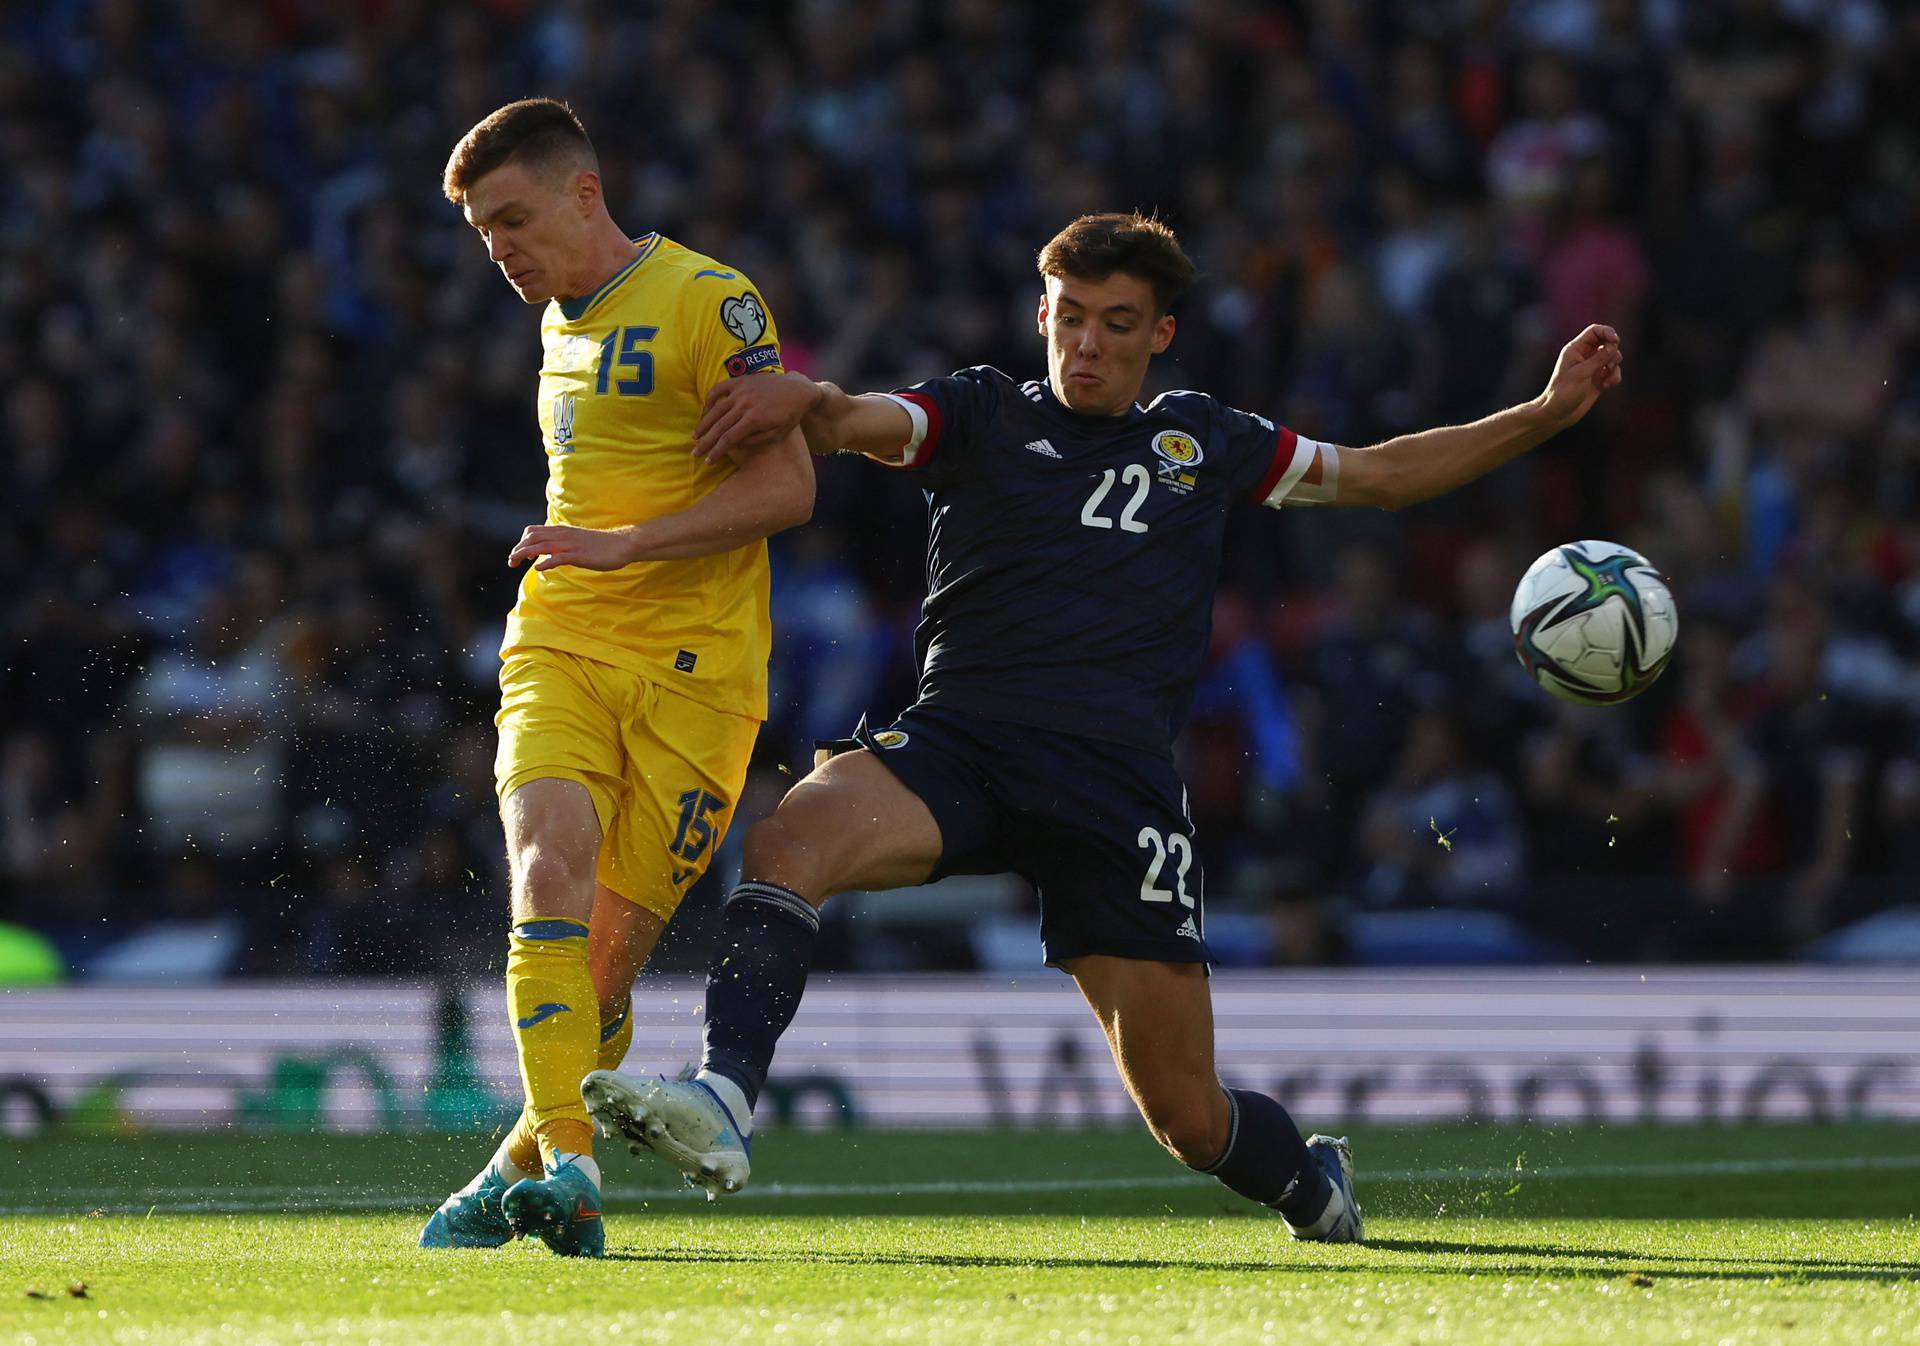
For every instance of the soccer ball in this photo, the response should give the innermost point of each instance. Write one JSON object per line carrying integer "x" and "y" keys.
{"x": 1593, "y": 622}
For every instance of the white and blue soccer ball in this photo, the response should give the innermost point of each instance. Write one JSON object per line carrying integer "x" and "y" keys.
{"x": 1593, "y": 622}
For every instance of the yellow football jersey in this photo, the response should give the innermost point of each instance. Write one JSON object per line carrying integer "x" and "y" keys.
{"x": 623, "y": 380}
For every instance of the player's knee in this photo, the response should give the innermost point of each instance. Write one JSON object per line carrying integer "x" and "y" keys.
{"x": 1185, "y": 1121}
{"x": 776, "y": 852}
{"x": 552, "y": 878}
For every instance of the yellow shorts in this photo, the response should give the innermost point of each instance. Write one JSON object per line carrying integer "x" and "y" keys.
{"x": 664, "y": 771}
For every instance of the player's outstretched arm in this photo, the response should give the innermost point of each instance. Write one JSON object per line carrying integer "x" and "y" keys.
{"x": 744, "y": 414}
{"x": 1411, "y": 468}
{"x": 772, "y": 490}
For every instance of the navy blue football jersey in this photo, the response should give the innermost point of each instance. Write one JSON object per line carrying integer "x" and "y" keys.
{"x": 1071, "y": 559}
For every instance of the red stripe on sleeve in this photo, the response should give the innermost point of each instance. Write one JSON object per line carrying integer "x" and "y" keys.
{"x": 924, "y": 454}
{"x": 1282, "y": 458}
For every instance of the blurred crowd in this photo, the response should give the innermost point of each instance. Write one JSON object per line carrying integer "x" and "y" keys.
{"x": 269, "y": 433}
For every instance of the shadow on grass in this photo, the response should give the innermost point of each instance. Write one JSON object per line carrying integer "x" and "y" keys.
{"x": 1479, "y": 1259}
{"x": 1689, "y": 1265}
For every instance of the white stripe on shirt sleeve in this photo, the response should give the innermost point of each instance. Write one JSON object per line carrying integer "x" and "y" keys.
{"x": 910, "y": 452}
{"x": 1284, "y": 492}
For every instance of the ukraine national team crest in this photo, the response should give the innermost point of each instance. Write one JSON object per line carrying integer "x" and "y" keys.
{"x": 563, "y": 423}
{"x": 1179, "y": 454}
{"x": 889, "y": 738}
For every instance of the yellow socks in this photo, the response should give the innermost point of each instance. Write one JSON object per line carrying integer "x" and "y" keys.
{"x": 555, "y": 1016}
{"x": 523, "y": 1146}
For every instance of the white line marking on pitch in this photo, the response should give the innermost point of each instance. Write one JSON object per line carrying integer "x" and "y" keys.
{"x": 267, "y": 1199}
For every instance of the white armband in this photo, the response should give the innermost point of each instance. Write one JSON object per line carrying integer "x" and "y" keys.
{"x": 917, "y": 414}
{"x": 1292, "y": 489}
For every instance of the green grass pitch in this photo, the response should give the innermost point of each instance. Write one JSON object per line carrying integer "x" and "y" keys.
{"x": 1478, "y": 1234}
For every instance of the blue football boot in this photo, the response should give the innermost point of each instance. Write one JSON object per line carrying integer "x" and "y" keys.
{"x": 562, "y": 1210}
{"x": 1335, "y": 1158}
{"x": 471, "y": 1217}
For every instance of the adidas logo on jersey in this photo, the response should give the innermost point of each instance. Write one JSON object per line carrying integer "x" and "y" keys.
{"x": 1044, "y": 448}
{"x": 1189, "y": 929}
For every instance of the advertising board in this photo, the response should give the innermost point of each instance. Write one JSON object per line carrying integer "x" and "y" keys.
{"x": 1668, "y": 1044}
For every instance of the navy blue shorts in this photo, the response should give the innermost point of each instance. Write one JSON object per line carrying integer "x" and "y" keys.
{"x": 1099, "y": 829}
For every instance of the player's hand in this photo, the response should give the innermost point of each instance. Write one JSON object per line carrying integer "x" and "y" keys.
{"x": 1588, "y": 366}
{"x": 554, "y": 544}
{"x": 754, "y": 411}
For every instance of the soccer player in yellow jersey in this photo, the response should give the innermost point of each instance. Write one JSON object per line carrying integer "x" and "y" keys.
{"x": 633, "y": 674}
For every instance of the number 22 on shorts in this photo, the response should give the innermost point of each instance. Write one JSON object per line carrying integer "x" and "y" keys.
{"x": 1181, "y": 849}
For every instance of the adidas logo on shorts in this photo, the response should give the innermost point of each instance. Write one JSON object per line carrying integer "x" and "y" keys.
{"x": 1043, "y": 447}
{"x": 1189, "y": 929}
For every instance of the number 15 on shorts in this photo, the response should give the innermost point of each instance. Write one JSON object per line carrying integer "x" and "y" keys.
{"x": 696, "y": 831}
{"x": 1173, "y": 845}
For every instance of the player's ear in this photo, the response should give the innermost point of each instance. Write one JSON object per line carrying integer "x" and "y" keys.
{"x": 586, "y": 190}
{"x": 1162, "y": 333}
{"x": 1041, "y": 321}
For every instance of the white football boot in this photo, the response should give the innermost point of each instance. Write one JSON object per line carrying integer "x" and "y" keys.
{"x": 681, "y": 1120}
{"x": 1341, "y": 1221}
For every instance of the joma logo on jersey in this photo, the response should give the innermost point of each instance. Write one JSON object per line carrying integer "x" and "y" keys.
{"x": 563, "y": 423}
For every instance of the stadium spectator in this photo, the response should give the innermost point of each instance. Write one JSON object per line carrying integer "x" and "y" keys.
{"x": 1370, "y": 668}
{"x": 1441, "y": 831}
{"x": 267, "y": 435}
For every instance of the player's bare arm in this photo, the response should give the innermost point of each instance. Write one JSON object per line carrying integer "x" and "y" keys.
{"x": 744, "y": 414}
{"x": 1411, "y": 468}
{"x": 769, "y": 492}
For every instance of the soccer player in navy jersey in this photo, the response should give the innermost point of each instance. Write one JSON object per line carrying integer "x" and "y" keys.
{"x": 1073, "y": 551}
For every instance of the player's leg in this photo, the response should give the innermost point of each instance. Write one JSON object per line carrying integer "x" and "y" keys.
{"x": 557, "y": 771}
{"x": 622, "y": 939}
{"x": 561, "y": 1207}
{"x": 1110, "y": 846}
{"x": 553, "y": 841}
{"x": 1158, "y": 1018}
{"x": 550, "y": 824}
{"x": 619, "y": 942}
{"x": 853, "y": 823}
{"x": 683, "y": 766}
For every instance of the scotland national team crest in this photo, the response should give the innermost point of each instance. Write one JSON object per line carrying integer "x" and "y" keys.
{"x": 889, "y": 738}
{"x": 744, "y": 317}
{"x": 1179, "y": 454}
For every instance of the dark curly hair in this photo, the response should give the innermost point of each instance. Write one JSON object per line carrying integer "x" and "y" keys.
{"x": 1094, "y": 247}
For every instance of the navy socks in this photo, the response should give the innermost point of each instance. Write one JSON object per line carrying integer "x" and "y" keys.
{"x": 1266, "y": 1159}
{"x": 759, "y": 972}
{"x": 755, "y": 980}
